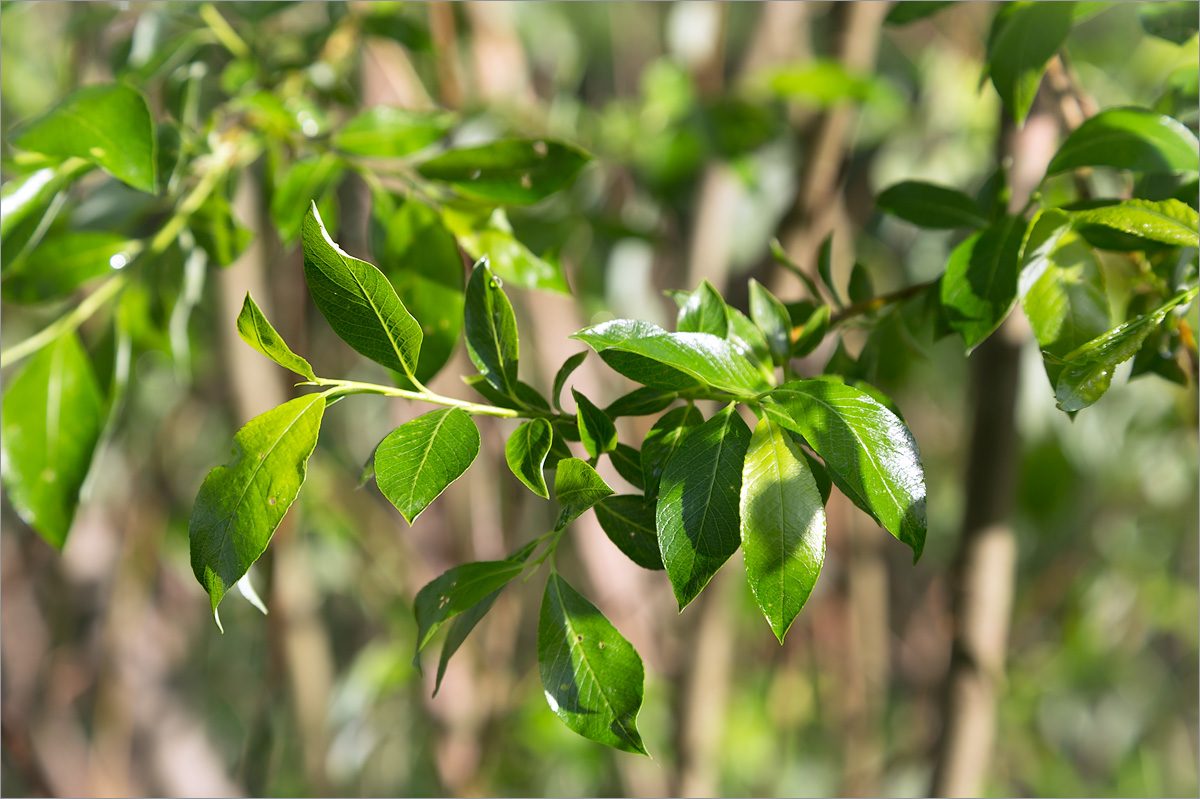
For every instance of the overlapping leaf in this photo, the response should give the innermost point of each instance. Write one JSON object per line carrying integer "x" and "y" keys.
{"x": 980, "y": 284}
{"x": 457, "y": 590}
{"x": 577, "y": 487}
{"x": 596, "y": 430}
{"x": 661, "y": 442}
{"x": 931, "y": 206}
{"x": 526, "y": 453}
{"x": 629, "y": 523}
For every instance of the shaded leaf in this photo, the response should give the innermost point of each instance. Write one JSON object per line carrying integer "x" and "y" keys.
{"x": 629, "y": 524}
{"x": 526, "y": 453}
{"x": 930, "y": 206}
{"x": 812, "y": 333}
{"x": 640, "y": 402}
{"x": 388, "y": 132}
{"x": 1129, "y": 138}
{"x": 256, "y": 331}
{"x": 419, "y": 459}
{"x": 980, "y": 283}
{"x": 913, "y": 10}
{"x": 560, "y": 377}
{"x": 577, "y": 488}
{"x": 491, "y": 330}
{"x": 64, "y": 262}
{"x": 1174, "y": 21}
{"x": 305, "y": 184}
{"x": 661, "y": 442}
{"x": 457, "y": 590}
{"x": 511, "y": 171}
{"x": 1024, "y": 36}
{"x": 628, "y": 463}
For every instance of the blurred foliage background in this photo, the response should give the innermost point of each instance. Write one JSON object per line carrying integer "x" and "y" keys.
{"x": 704, "y": 119}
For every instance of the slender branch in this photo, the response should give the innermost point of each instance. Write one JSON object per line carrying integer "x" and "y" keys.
{"x": 224, "y": 32}
{"x": 875, "y": 303}
{"x": 343, "y": 388}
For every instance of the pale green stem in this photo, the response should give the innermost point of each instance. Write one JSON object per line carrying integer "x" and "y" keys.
{"x": 222, "y": 30}
{"x": 346, "y": 387}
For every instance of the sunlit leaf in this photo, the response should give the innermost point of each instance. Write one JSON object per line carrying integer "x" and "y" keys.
{"x": 1129, "y": 138}
{"x": 256, "y": 331}
{"x": 419, "y": 459}
{"x": 577, "y": 487}
{"x": 511, "y": 171}
{"x": 980, "y": 284}
{"x": 388, "y": 132}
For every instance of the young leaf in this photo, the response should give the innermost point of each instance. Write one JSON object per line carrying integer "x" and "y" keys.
{"x": 640, "y": 402}
{"x": 577, "y": 488}
{"x": 51, "y": 420}
{"x": 491, "y": 330}
{"x": 457, "y": 590}
{"x": 783, "y": 525}
{"x": 628, "y": 463}
{"x": 358, "y": 301}
{"x": 418, "y": 459}
{"x": 526, "y": 453}
{"x": 306, "y": 182}
{"x": 771, "y": 317}
{"x": 564, "y": 371}
{"x": 241, "y": 503}
{"x": 509, "y": 172}
{"x": 388, "y": 132}
{"x": 1170, "y": 221}
{"x": 930, "y": 206}
{"x": 703, "y": 312}
{"x": 593, "y": 677}
{"x": 661, "y": 442}
{"x": 748, "y": 340}
{"x": 980, "y": 283}
{"x": 1024, "y": 36}
{"x": 256, "y": 331}
{"x": 860, "y": 288}
{"x": 867, "y": 450}
{"x": 107, "y": 124}
{"x": 596, "y": 430}
{"x": 697, "y": 513}
{"x": 1129, "y": 138}
{"x": 825, "y": 269}
{"x": 629, "y": 523}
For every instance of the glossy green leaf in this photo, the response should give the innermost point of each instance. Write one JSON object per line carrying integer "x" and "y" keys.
{"x": 661, "y": 442}
{"x": 629, "y": 523}
{"x": 813, "y": 332}
{"x": 1129, "y": 138}
{"x": 703, "y": 312}
{"x": 64, "y": 262}
{"x": 388, "y": 132}
{"x": 456, "y": 590}
{"x": 596, "y": 430}
{"x": 592, "y": 676}
{"x": 358, "y": 301}
{"x": 511, "y": 260}
{"x": 491, "y": 330}
{"x": 869, "y": 453}
{"x": 1174, "y": 21}
{"x": 628, "y": 463}
{"x": 577, "y": 487}
{"x": 256, "y": 331}
{"x": 526, "y": 453}
{"x": 1170, "y": 221}
{"x": 930, "y": 206}
{"x": 748, "y": 340}
{"x": 640, "y": 402}
{"x": 241, "y": 503}
{"x": 782, "y": 525}
{"x": 107, "y": 124}
{"x": 419, "y": 459}
{"x": 564, "y": 372}
{"x": 1024, "y": 36}
{"x": 980, "y": 284}
{"x": 1087, "y": 371}
{"x": 51, "y": 420}
{"x": 304, "y": 185}
{"x": 772, "y": 318}
{"x": 511, "y": 171}
{"x": 697, "y": 512}
{"x": 913, "y": 10}
{"x": 860, "y": 287}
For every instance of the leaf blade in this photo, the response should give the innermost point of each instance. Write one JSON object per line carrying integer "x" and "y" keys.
{"x": 256, "y": 331}
{"x": 417, "y": 461}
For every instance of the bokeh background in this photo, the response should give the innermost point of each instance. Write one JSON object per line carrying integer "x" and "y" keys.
{"x": 707, "y": 121}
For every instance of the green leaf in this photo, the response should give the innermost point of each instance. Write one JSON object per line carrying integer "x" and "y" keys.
{"x": 980, "y": 284}
{"x": 1174, "y": 21}
{"x": 511, "y": 171}
{"x": 782, "y": 525}
{"x": 825, "y": 269}
{"x": 241, "y": 503}
{"x": 527, "y": 397}
{"x": 640, "y": 402}
{"x": 256, "y": 331}
{"x": 813, "y": 332}
{"x": 628, "y": 463}
{"x": 418, "y": 459}
{"x": 1129, "y": 138}
{"x": 592, "y": 676}
{"x": 64, "y": 262}
{"x": 304, "y": 185}
{"x": 913, "y": 10}
{"x": 560, "y": 377}
{"x": 596, "y": 430}
{"x": 697, "y": 513}
{"x": 701, "y": 357}
{"x": 1087, "y": 371}
{"x": 107, "y": 124}
{"x": 456, "y": 590}
{"x": 526, "y": 453}
{"x": 930, "y": 206}
{"x": 1170, "y": 221}
{"x": 703, "y": 312}
{"x": 509, "y": 258}
{"x": 748, "y": 340}
{"x": 629, "y": 523}
{"x": 29, "y": 205}
{"x": 869, "y": 453}
{"x": 860, "y": 287}
{"x": 1024, "y": 36}
{"x": 358, "y": 301}
{"x": 661, "y": 442}
{"x": 388, "y": 132}
{"x": 577, "y": 488}
{"x": 218, "y": 232}
{"x": 51, "y": 420}
{"x": 771, "y": 317}
{"x": 491, "y": 330}
{"x": 822, "y": 83}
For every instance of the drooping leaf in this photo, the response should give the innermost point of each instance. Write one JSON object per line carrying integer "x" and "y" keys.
{"x": 1024, "y": 36}
{"x": 661, "y": 442}
{"x": 241, "y": 503}
{"x": 306, "y": 183}
{"x": 825, "y": 269}
{"x": 511, "y": 171}
{"x": 419, "y": 459}
{"x": 64, "y": 262}
{"x": 913, "y": 10}
{"x": 703, "y": 312}
{"x": 596, "y": 430}
{"x": 697, "y": 512}
{"x": 628, "y": 463}
{"x": 640, "y": 402}
{"x": 980, "y": 284}
{"x": 52, "y": 416}
{"x": 772, "y": 318}
{"x": 1174, "y": 21}
{"x": 1129, "y": 138}
{"x": 930, "y": 206}
{"x": 869, "y": 453}
{"x": 493, "y": 238}
{"x": 577, "y": 487}
{"x": 491, "y": 330}
{"x": 748, "y": 340}
{"x": 564, "y": 372}
{"x": 107, "y": 124}
{"x": 456, "y": 590}
{"x": 592, "y": 676}
{"x": 526, "y": 453}
{"x": 629, "y": 523}
{"x": 256, "y": 331}
{"x": 388, "y": 132}
{"x": 782, "y": 525}
{"x": 1169, "y": 221}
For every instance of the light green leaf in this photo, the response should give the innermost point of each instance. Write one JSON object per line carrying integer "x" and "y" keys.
{"x": 418, "y": 459}
{"x": 491, "y": 330}
{"x": 629, "y": 523}
{"x": 869, "y": 453}
{"x": 783, "y": 525}
{"x": 388, "y": 132}
{"x": 930, "y": 206}
{"x": 661, "y": 442}
{"x": 511, "y": 171}
{"x": 564, "y": 372}
{"x": 256, "y": 331}
{"x": 771, "y": 317}
{"x": 64, "y": 262}
{"x": 358, "y": 301}
{"x": 107, "y": 124}
{"x": 511, "y": 260}
{"x": 457, "y": 590}
{"x": 821, "y": 83}
{"x": 1169, "y": 221}
{"x": 1129, "y": 138}
{"x": 592, "y": 676}
{"x": 825, "y": 269}
{"x": 526, "y": 453}
{"x": 1024, "y": 36}
{"x": 640, "y": 402}
{"x": 306, "y": 183}
{"x": 980, "y": 284}
{"x": 29, "y": 204}
{"x": 51, "y": 420}
{"x": 628, "y": 463}
{"x": 577, "y": 488}
{"x": 697, "y": 513}
{"x": 703, "y": 312}
{"x": 748, "y": 340}
{"x": 241, "y": 503}
{"x": 596, "y": 430}
{"x": 813, "y": 332}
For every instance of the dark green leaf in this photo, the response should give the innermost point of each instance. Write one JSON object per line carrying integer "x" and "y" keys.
{"x": 1024, "y": 36}
{"x": 241, "y": 503}
{"x": 1174, "y": 21}
{"x": 782, "y": 525}
{"x": 629, "y": 523}
{"x": 592, "y": 676}
{"x": 640, "y": 402}
{"x": 628, "y": 463}
{"x": 512, "y": 171}
{"x": 107, "y": 124}
{"x": 980, "y": 284}
{"x": 1170, "y": 221}
{"x": 526, "y": 453}
{"x": 661, "y": 442}
{"x": 64, "y": 262}
{"x": 491, "y": 330}
{"x": 304, "y": 185}
{"x": 697, "y": 513}
{"x": 772, "y": 318}
{"x": 596, "y": 430}
{"x": 52, "y": 416}
{"x": 560, "y": 377}
{"x": 860, "y": 288}
{"x": 388, "y": 21}
{"x": 929, "y": 206}
{"x": 256, "y": 331}
{"x": 419, "y": 459}
{"x": 703, "y": 312}
{"x": 388, "y": 132}
{"x": 812, "y": 333}
{"x": 825, "y": 269}
{"x": 748, "y": 340}
{"x": 457, "y": 590}
{"x": 913, "y": 10}
{"x": 577, "y": 488}
{"x": 1129, "y": 138}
